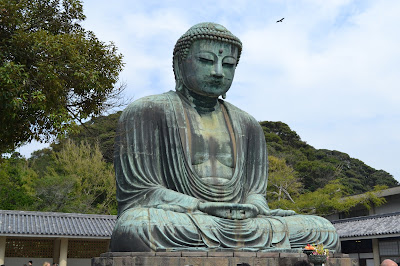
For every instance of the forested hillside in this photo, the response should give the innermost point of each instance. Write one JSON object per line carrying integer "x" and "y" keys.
{"x": 76, "y": 174}
{"x": 317, "y": 167}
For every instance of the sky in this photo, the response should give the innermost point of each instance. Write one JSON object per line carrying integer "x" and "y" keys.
{"x": 330, "y": 70}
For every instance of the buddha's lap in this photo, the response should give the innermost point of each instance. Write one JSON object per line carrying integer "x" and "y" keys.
{"x": 303, "y": 228}
{"x": 153, "y": 217}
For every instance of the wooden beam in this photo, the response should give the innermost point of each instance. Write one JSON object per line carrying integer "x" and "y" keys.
{"x": 63, "y": 252}
{"x": 2, "y": 249}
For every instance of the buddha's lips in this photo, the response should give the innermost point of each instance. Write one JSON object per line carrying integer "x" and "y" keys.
{"x": 215, "y": 81}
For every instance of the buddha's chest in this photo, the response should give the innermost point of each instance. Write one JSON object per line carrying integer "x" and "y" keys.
{"x": 210, "y": 140}
{"x": 211, "y": 147}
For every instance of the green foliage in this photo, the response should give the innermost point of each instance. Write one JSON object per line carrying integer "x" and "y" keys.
{"x": 322, "y": 179}
{"x": 372, "y": 198}
{"x": 282, "y": 180}
{"x": 53, "y": 73}
{"x": 74, "y": 179}
{"x": 79, "y": 180}
{"x": 316, "y": 168}
{"x": 328, "y": 200}
{"x": 315, "y": 174}
{"x": 40, "y": 160}
{"x": 15, "y": 180}
{"x": 99, "y": 130}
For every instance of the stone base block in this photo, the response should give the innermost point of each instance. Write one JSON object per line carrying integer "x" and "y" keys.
{"x": 211, "y": 259}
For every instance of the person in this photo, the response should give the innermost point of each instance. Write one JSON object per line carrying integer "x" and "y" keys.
{"x": 191, "y": 168}
{"x": 30, "y": 263}
{"x": 46, "y": 263}
{"x": 388, "y": 262}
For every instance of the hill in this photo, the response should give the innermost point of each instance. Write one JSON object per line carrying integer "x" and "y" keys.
{"x": 317, "y": 167}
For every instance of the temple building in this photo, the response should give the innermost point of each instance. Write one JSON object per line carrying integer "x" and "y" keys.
{"x": 371, "y": 235}
{"x": 54, "y": 237}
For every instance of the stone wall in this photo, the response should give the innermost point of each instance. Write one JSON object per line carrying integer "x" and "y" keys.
{"x": 211, "y": 259}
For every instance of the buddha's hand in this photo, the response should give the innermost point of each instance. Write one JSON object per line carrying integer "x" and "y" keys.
{"x": 234, "y": 211}
{"x": 279, "y": 212}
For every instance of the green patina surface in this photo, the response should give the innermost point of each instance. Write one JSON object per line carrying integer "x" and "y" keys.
{"x": 191, "y": 169}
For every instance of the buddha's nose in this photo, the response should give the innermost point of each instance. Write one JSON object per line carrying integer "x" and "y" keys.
{"x": 217, "y": 71}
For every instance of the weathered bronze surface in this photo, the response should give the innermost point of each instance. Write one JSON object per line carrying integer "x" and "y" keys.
{"x": 191, "y": 169}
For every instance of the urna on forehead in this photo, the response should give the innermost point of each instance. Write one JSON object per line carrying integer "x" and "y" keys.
{"x": 205, "y": 31}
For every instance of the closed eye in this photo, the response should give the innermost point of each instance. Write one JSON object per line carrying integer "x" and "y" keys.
{"x": 206, "y": 60}
{"x": 230, "y": 65}
{"x": 229, "y": 62}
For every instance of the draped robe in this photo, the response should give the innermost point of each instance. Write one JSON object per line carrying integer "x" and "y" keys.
{"x": 158, "y": 191}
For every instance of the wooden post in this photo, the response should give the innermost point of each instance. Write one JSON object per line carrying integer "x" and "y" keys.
{"x": 56, "y": 250}
{"x": 63, "y": 252}
{"x": 2, "y": 249}
{"x": 375, "y": 250}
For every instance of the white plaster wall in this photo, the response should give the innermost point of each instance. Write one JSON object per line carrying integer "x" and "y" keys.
{"x": 392, "y": 205}
{"x": 22, "y": 261}
{"x": 332, "y": 217}
{"x": 78, "y": 262}
{"x": 40, "y": 261}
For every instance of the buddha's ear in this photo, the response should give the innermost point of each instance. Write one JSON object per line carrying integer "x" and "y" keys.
{"x": 178, "y": 72}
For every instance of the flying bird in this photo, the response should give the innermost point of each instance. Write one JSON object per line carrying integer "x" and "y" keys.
{"x": 281, "y": 20}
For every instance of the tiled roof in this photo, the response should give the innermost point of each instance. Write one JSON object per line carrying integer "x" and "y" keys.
{"x": 53, "y": 224}
{"x": 369, "y": 226}
{"x": 76, "y": 225}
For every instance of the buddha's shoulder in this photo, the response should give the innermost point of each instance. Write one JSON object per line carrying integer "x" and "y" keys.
{"x": 151, "y": 103}
{"x": 151, "y": 100}
{"x": 240, "y": 114}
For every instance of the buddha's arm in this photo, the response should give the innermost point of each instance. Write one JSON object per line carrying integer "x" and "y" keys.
{"x": 158, "y": 197}
{"x": 171, "y": 200}
{"x": 146, "y": 162}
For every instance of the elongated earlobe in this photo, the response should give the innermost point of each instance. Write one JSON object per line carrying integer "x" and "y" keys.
{"x": 178, "y": 76}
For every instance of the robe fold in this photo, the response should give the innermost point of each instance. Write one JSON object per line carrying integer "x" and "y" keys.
{"x": 158, "y": 191}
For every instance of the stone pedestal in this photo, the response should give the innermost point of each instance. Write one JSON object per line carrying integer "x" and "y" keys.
{"x": 211, "y": 259}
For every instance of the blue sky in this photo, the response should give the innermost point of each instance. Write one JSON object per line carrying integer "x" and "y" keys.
{"x": 331, "y": 70}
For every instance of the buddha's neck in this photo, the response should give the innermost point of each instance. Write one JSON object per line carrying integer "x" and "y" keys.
{"x": 201, "y": 103}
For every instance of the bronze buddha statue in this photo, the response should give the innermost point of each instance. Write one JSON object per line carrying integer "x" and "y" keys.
{"x": 191, "y": 168}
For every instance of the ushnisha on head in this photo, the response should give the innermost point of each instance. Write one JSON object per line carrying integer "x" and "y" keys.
{"x": 218, "y": 48}
{"x": 205, "y": 31}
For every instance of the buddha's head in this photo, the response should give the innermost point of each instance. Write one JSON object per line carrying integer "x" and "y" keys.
{"x": 205, "y": 59}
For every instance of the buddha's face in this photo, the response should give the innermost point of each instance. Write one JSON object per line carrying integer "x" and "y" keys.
{"x": 209, "y": 68}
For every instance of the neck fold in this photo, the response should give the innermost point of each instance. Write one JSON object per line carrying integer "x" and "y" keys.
{"x": 201, "y": 103}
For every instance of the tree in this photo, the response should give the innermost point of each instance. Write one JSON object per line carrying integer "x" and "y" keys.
{"x": 331, "y": 198}
{"x": 315, "y": 174}
{"x": 282, "y": 180}
{"x": 99, "y": 130}
{"x": 15, "y": 183}
{"x": 53, "y": 73}
{"x": 40, "y": 160}
{"x": 79, "y": 180}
